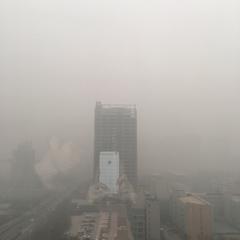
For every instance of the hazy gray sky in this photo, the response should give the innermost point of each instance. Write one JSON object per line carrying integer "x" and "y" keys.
{"x": 178, "y": 60}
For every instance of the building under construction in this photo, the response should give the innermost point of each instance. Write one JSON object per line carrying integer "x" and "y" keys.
{"x": 116, "y": 131}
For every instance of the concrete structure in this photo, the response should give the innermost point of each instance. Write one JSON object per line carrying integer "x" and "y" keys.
{"x": 224, "y": 231}
{"x": 177, "y": 192}
{"x": 144, "y": 216}
{"x": 109, "y": 170}
{"x": 126, "y": 190}
{"x": 116, "y": 131}
{"x": 194, "y": 218}
{"x": 226, "y": 215}
{"x": 216, "y": 200}
{"x": 152, "y": 219}
{"x": 137, "y": 217}
{"x": 25, "y": 183}
{"x": 160, "y": 187}
{"x": 232, "y": 210}
{"x": 157, "y": 185}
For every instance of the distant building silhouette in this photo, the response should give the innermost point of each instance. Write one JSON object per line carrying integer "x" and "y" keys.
{"x": 23, "y": 175}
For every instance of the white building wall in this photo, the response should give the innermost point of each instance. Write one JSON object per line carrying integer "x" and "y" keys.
{"x": 109, "y": 170}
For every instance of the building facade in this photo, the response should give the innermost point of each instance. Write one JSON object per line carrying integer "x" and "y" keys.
{"x": 137, "y": 217}
{"x": 153, "y": 222}
{"x": 232, "y": 210}
{"x": 116, "y": 131}
{"x": 109, "y": 170}
{"x": 194, "y": 218}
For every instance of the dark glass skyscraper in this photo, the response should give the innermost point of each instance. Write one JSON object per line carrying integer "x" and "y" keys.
{"x": 116, "y": 130}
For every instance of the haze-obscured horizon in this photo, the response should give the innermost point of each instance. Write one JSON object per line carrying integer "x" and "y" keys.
{"x": 178, "y": 61}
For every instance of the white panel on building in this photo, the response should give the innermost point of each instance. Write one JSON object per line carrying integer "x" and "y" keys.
{"x": 109, "y": 170}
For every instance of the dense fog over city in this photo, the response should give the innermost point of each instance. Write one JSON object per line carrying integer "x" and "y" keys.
{"x": 119, "y": 120}
{"x": 178, "y": 61}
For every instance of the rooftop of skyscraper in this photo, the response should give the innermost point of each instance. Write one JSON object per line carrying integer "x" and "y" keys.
{"x": 130, "y": 106}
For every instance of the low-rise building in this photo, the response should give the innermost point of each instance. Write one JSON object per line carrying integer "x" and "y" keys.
{"x": 194, "y": 218}
{"x": 137, "y": 217}
{"x": 232, "y": 210}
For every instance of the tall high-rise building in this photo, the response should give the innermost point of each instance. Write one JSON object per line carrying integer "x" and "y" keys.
{"x": 116, "y": 131}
